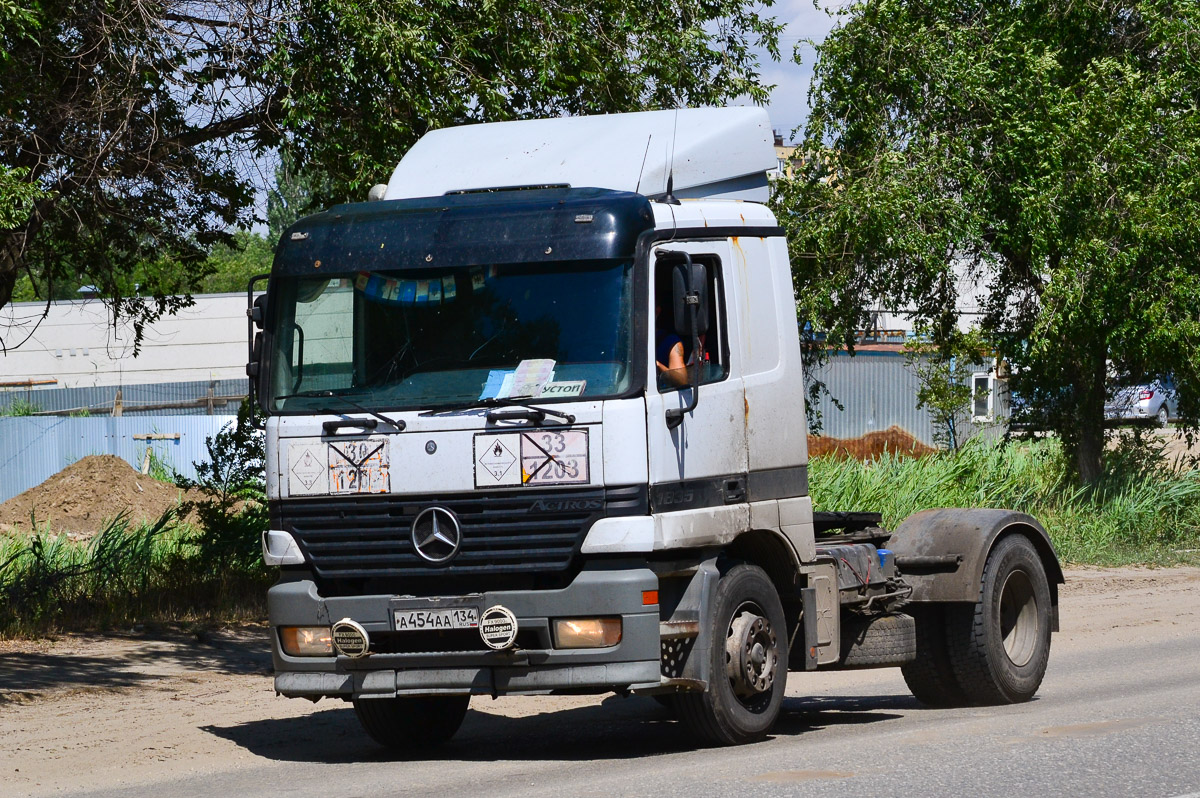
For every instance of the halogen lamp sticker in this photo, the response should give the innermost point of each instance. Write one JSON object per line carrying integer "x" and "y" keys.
{"x": 339, "y": 467}
{"x": 350, "y": 638}
{"x": 544, "y": 457}
{"x": 498, "y": 627}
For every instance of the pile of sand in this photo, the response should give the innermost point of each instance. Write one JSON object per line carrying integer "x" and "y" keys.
{"x": 81, "y": 497}
{"x": 893, "y": 440}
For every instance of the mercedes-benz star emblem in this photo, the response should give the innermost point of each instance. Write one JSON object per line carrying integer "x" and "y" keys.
{"x": 436, "y": 535}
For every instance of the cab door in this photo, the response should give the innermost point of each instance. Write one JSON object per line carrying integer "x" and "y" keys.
{"x": 698, "y": 468}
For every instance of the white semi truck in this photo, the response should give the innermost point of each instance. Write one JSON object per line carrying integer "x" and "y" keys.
{"x": 535, "y": 424}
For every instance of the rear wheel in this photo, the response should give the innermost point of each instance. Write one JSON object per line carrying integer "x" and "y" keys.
{"x": 999, "y": 647}
{"x": 420, "y": 722}
{"x": 748, "y": 665}
{"x": 1163, "y": 417}
{"x": 930, "y": 676}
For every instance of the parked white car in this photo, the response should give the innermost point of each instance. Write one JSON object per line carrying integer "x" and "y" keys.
{"x": 1153, "y": 401}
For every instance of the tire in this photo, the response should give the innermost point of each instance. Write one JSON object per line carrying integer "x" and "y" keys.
{"x": 1000, "y": 646}
{"x": 407, "y": 723}
{"x": 877, "y": 642}
{"x": 1163, "y": 418}
{"x": 930, "y": 675}
{"x": 748, "y": 663}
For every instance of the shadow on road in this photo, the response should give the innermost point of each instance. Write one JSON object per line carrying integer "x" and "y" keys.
{"x": 618, "y": 728}
{"x": 133, "y": 659}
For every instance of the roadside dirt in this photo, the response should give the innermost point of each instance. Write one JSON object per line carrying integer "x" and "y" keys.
{"x": 870, "y": 446}
{"x": 1176, "y": 450}
{"x": 79, "y": 499}
{"x": 100, "y": 713}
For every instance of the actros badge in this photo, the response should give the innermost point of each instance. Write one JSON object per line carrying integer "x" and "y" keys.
{"x": 498, "y": 627}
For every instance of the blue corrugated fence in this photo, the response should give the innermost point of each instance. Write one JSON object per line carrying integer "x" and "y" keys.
{"x": 34, "y": 448}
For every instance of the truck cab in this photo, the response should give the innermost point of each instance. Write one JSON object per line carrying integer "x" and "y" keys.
{"x": 535, "y": 424}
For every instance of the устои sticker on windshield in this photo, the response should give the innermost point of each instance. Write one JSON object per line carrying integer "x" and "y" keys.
{"x": 339, "y": 467}
{"x": 544, "y": 457}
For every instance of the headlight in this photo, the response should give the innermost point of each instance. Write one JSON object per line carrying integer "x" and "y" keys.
{"x": 587, "y": 633}
{"x": 306, "y": 641}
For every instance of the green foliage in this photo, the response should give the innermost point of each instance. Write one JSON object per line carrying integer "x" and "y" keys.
{"x": 294, "y": 194}
{"x": 1049, "y": 151}
{"x": 944, "y": 371}
{"x": 19, "y": 407}
{"x": 17, "y": 195}
{"x": 233, "y": 513}
{"x": 125, "y": 574}
{"x": 368, "y": 79}
{"x": 234, "y": 264}
{"x": 1136, "y": 511}
{"x": 129, "y": 130}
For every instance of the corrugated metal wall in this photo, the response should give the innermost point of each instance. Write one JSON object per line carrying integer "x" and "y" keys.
{"x": 876, "y": 391}
{"x": 34, "y": 448}
{"x": 99, "y": 400}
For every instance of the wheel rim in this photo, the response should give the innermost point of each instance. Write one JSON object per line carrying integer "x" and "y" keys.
{"x": 1162, "y": 417}
{"x": 751, "y": 654}
{"x": 1018, "y": 618}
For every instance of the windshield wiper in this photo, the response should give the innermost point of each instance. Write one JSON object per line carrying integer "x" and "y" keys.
{"x": 398, "y": 424}
{"x": 528, "y": 412}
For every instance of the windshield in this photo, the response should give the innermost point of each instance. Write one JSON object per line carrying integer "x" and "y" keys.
{"x": 432, "y": 337}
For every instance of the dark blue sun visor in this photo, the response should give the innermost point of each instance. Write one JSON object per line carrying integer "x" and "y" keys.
{"x": 475, "y": 229}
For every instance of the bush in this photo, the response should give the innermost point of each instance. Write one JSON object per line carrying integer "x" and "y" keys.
{"x": 233, "y": 513}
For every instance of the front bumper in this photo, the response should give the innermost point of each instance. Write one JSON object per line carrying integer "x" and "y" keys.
{"x": 537, "y": 667}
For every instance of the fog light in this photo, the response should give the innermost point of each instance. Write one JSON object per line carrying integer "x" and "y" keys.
{"x": 587, "y": 633}
{"x": 306, "y": 641}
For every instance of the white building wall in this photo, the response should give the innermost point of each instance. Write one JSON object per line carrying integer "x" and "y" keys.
{"x": 77, "y": 346}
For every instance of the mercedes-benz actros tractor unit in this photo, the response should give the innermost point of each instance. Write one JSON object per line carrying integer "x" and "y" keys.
{"x": 535, "y": 425}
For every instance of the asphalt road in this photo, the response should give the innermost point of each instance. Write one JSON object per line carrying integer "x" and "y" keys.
{"x": 1118, "y": 715}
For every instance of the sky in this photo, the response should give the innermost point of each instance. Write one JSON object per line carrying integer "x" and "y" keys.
{"x": 788, "y": 106}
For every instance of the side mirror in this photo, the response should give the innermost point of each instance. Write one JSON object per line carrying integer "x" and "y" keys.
{"x": 689, "y": 295}
{"x": 689, "y": 286}
{"x": 256, "y": 315}
{"x": 258, "y": 310}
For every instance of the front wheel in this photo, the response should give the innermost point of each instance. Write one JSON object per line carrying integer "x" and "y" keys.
{"x": 748, "y": 662}
{"x": 419, "y": 722}
{"x": 999, "y": 647}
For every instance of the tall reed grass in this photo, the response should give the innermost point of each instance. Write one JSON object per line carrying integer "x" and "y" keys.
{"x": 126, "y": 574}
{"x": 1139, "y": 511}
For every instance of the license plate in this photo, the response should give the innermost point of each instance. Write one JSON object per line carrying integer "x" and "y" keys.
{"x": 432, "y": 620}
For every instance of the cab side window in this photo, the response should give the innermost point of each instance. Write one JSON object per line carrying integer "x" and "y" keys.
{"x": 674, "y": 353}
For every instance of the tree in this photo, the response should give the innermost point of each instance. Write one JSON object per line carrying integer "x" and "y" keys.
{"x": 293, "y": 195}
{"x": 135, "y": 122}
{"x": 1048, "y": 148}
{"x": 234, "y": 264}
{"x": 128, "y": 118}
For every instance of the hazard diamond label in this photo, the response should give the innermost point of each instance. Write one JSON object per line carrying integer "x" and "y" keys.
{"x": 496, "y": 460}
{"x": 309, "y": 473}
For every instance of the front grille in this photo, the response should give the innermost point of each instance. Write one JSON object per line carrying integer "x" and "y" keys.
{"x": 509, "y": 539}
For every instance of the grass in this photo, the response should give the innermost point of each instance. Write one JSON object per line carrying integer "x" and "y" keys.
{"x": 126, "y": 574}
{"x": 1139, "y": 512}
{"x": 19, "y": 407}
